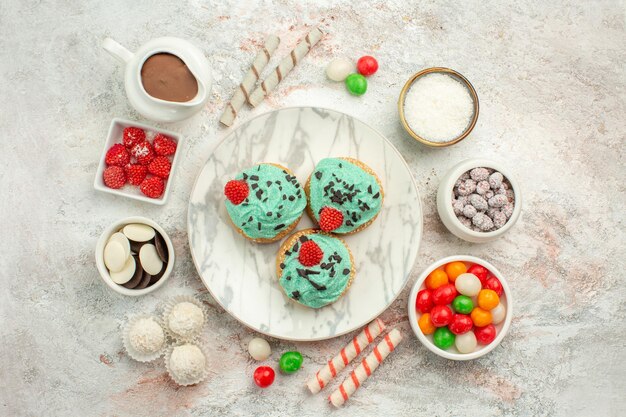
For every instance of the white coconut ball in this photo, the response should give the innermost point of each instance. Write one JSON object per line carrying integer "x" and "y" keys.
{"x": 185, "y": 319}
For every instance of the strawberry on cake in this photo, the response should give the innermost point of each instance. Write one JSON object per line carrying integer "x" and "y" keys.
{"x": 314, "y": 268}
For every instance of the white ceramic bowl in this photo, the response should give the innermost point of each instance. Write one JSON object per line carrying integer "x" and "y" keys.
{"x": 132, "y": 191}
{"x": 452, "y": 353}
{"x": 459, "y": 77}
{"x": 444, "y": 201}
{"x": 104, "y": 272}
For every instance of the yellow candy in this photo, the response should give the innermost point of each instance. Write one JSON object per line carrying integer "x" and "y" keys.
{"x": 426, "y": 326}
{"x": 454, "y": 269}
{"x": 488, "y": 299}
{"x": 480, "y": 317}
{"x": 436, "y": 279}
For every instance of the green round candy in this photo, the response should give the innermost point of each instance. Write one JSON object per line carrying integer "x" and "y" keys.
{"x": 356, "y": 84}
{"x": 443, "y": 338}
{"x": 463, "y": 304}
{"x": 290, "y": 362}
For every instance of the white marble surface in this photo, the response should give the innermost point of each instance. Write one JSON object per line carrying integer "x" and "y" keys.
{"x": 241, "y": 275}
{"x": 550, "y": 77}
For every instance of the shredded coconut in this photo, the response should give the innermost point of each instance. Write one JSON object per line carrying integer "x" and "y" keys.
{"x": 187, "y": 362}
{"x": 438, "y": 107}
{"x": 146, "y": 336}
{"x": 185, "y": 319}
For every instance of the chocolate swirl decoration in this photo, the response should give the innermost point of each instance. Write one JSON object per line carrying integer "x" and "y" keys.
{"x": 351, "y": 188}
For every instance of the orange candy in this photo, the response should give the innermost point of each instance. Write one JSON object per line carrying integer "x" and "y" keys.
{"x": 426, "y": 326}
{"x": 488, "y": 299}
{"x": 454, "y": 269}
{"x": 480, "y": 317}
{"x": 436, "y": 279}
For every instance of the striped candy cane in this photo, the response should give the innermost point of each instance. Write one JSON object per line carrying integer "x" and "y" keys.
{"x": 347, "y": 354}
{"x": 365, "y": 368}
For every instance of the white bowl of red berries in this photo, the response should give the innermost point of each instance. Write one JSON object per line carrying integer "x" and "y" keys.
{"x": 138, "y": 161}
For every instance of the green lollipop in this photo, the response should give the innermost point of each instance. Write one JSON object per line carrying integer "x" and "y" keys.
{"x": 290, "y": 362}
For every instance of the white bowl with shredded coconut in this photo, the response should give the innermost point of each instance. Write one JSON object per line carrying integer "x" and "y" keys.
{"x": 438, "y": 107}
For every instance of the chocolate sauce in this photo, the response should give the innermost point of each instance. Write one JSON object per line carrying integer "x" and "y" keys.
{"x": 166, "y": 77}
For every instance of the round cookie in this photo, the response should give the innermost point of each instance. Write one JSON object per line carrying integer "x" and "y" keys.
{"x": 265, "y": 202}
{"x": 314, "y": 268}
{"x": 344, "y": 195}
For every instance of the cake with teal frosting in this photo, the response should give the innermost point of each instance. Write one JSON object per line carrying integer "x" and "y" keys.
{"x": 314, "y": 268}
{"x": 265, "y": 202}
{"x": 344, "y": 195}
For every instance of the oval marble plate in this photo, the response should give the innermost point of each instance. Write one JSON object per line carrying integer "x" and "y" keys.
{"x": 241, "y": 275}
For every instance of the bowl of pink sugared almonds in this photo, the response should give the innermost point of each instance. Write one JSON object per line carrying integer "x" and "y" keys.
{"x": 479, "y": 200}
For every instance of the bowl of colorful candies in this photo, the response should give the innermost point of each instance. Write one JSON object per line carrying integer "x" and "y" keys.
{"x": 460, "y": 307}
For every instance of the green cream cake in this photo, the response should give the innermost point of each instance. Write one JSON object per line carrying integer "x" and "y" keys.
{"x": 344, "y": 195}
{"x": 314, "y": 268}
{"x": 265, "y": 202}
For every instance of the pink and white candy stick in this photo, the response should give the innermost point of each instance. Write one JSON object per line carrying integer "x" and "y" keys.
{"x": 347, "y": 354}
{"x": 366, "y": 368}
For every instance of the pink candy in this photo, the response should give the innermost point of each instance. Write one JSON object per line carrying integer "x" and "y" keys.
{"x": 482, "y": 199}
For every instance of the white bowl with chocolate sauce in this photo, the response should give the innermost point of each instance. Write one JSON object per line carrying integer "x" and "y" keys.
{"x": 167, "y": 79}
{"x": 145, "y": 278}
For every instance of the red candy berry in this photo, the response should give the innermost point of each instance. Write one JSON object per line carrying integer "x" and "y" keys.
{"x": 444, "y": 294}
{"x": 485, "y": 335}
{"x": 236, "y": 191}
{"x": 424, "y": 301}
{"x": 114, "y": 177}
{"x": 367, "y": 65}
{"x": 135, "y": 173}
{"x": 133, "y": 136}
{"x": 160, "y": 166}
{"x": 117, "y": 155}
{"x": 310, "y": 253}
{"x": 330, "y": 219}
{"x": 264, "y": 376}
{"x": 152, "y": 187}
{"x": 493, "y": 283}
{"x": 441, "y": 316}
{"x": 480, "y": 271}
{"x": 460, "y": 324}
{"x": 143, "y": 152}
{"x": 163, "y": 145}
